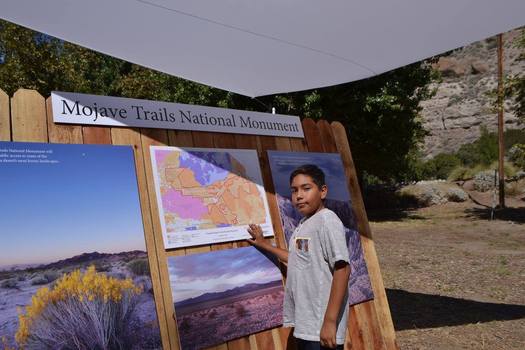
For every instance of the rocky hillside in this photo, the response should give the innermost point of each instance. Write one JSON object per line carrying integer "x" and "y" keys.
{"x": 461, "y": 105}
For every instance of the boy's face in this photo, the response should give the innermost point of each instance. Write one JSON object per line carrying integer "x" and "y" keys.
{"x": 307, "y": 197}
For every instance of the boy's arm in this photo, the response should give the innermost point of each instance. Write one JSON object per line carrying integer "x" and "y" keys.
{"x": 335, "y": 302}
{"x": 258, "y": 240}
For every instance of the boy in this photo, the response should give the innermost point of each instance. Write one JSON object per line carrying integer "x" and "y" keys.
{"x": 316, "y": 300}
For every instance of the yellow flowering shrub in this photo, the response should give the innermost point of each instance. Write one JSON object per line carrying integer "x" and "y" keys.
{"x": 85, "y": 286}
{"x": 5, "y": 345}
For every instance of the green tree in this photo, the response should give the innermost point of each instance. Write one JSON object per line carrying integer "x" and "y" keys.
{"x": 381, "y": 114}
{"x": 483, "y": 151}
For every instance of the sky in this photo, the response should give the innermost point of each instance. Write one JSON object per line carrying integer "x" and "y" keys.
{"x": 218, "y": 271}
{"x": 283, "y": 163}
{"x": 86, "y": 202}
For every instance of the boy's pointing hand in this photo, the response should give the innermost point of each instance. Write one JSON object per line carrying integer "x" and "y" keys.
{"x": 257, "y": 235}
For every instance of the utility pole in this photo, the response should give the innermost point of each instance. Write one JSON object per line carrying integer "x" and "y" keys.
{"x": 501, "y": 145}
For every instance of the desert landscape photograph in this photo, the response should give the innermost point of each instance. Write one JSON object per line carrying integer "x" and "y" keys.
{"x": 223, "y": 295}
{"x": 74, "y": 272}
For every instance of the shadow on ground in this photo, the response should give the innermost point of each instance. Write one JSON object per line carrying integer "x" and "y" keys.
{"x": 395, "y": 214}
{"x": 507, "y": 214}
{"x": 417, "y": 310}
{"x": 387, "y": 215}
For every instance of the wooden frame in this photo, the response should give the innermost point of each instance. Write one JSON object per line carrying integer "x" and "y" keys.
{"x": 26, "y": 117}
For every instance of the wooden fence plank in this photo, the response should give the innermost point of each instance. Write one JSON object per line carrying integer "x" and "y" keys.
{"x": 312, "y": 136}
{"x": 132, "y": 137}
{"x": 59, "y": 133}
{"x": 96, "y": 135}
{"x": 355, "y": 334}
{"x": 185, "y": 139}
{"x": 180, "y": 138}
{"x": 268, "y": 143}
{"x": 355, "y": 337}
{"x": 239, "y": 344}
{"x": 368, "y": 327}
{"x": 218, "y": 347}
{"x": 244, "y": 142}
{"x": 5, "y": 117}
{"x": 287, "y": 339}
{"x": 203, "y": 139}
{"x": 28, "y": 116}
{"x": 327, "y": 136}
{"x": 265, "y": 144}
{"x": 279, "y": 341}
{"x": 298, "y": 145}
{"x": 283, "y": 144}
{"x": 360, "y": 335}
{"x": 221, "y": 140}
{"x": 159, "y": 137}
{"x": 262, "y": 339}
{"x": 380, "y": 301}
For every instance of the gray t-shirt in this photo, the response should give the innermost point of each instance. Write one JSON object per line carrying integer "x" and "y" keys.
{"x": 316, "y": 245}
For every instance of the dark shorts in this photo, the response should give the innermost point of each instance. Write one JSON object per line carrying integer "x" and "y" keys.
{"x": 313, "y": 345}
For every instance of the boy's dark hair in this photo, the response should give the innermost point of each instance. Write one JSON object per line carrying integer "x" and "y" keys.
{"x": 311, "y": 170}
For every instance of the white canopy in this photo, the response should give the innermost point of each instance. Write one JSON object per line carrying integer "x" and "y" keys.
{"x": 265, "y": 47}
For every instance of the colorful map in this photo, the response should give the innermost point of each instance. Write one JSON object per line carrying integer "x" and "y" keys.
{"x": 208, "y": 195}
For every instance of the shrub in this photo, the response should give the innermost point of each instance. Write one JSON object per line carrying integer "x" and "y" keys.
{"x": 484, "y": 181}
{"x": 38, "y": 279}
{"x": 456, "y": 195}
{"x": 101, "y": 267}
{"x": 517, "y": 155}
{"x": 240, "y": 311}
{"x": 185, "y": 324}
{"x": 117, "y": 275}
{"x": 51, "y": 275}
{"x": 5, "y": 344}
{"x": 460, "y": 173}
{"x": 83, "y": 311}
{"x": 515, "y": 188}
{"x": 212, "y": 314}
{"x": 5, "y": 276}
{"x": 21, "y": 277}
{"x": 513, "y": 137}
{"x": 482, "y": 151}
{"x": 508, "y": 169}
{"x": 440, "y": 166}
{"x": 427, "y": 193}
{"x": 139, "y": 267}
{"x": 9, "y": 283}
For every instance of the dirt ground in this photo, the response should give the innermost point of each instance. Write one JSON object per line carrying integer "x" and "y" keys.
{"x": 455, "y": 279}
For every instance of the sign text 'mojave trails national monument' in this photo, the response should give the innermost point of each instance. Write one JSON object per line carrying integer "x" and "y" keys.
{"x": 75, "y": 108}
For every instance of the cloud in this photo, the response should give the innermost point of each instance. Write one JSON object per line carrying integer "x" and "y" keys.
{"x": 194, "y": 275}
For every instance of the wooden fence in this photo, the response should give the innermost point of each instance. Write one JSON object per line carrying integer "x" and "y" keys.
{"x": 27, "y": 117}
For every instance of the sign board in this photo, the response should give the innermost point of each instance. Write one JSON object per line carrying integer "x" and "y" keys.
{"x": 75, "y": 108}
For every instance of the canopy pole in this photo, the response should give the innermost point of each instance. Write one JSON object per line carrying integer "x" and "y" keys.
{"x": 501, "y": 150}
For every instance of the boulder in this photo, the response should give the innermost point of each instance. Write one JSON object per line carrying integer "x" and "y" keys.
{"x": 479, "y": 67}
{"x": 450, "y": 67}
{"x": 428, "y": 193}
